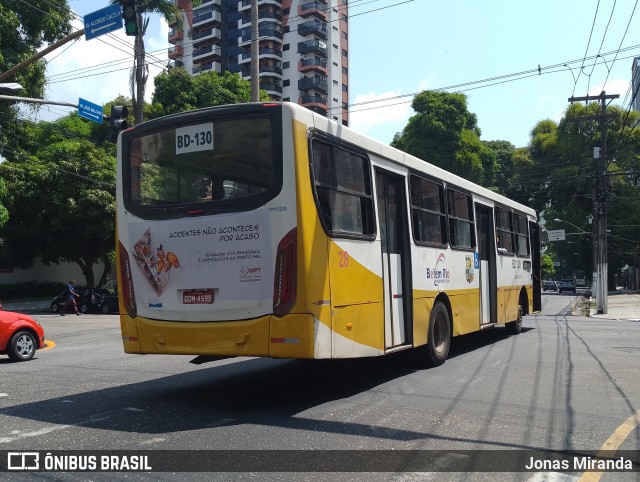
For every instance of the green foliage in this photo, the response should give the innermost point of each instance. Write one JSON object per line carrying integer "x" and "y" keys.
{"x": 443, "y": 132}
{"x": 25, "y": 28}
{"x": 547, "y": 268}
{"x": 177, "y": 91}
{"x": 62, "y": 201}
{"x": 563, "y": 177}
{"x": 30, "y": 289}
{"x": 4, "y": 212}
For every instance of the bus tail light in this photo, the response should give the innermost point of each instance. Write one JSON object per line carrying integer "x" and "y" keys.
{"x": 126, "y": 282}
{"x": 284, "y": 283}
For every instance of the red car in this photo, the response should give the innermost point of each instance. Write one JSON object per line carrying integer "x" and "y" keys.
{"x": 20, "y": 335}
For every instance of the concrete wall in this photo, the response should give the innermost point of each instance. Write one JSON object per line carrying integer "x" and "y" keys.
{"x": 55, "y": 272}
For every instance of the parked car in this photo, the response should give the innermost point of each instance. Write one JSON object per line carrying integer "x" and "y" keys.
{"x": 549, "y": 285}
{"x": 90, "y": 299}
{"x": 110, "y": 303}
{"x": 567, "y": 285}
{"x": 20, "y": 335}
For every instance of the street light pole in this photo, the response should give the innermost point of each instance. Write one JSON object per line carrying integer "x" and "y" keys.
{"x": 30, "y": 100}
{"x": 598, "y": 274}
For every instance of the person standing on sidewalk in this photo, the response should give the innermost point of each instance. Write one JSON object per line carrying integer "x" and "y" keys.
{"x": 70, "y": 298}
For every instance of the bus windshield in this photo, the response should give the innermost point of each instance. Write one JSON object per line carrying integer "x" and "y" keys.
{"x": 199, "y": 164}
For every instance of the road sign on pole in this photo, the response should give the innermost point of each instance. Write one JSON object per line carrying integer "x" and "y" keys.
{"x": 556, "y": 235}
{"x": 90, "y": 111}
{"x": 102, "y": 21}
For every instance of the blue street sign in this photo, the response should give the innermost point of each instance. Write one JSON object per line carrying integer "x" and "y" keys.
{"x": 102, "y": 21}
{"x": 90, "y": 111}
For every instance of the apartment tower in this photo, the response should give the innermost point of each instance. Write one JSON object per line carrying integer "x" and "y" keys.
{"x": 303, "y": 48}
{"x": 635, "y": 83}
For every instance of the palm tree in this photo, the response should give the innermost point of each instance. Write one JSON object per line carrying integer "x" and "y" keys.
{"x": 140, "y": 71}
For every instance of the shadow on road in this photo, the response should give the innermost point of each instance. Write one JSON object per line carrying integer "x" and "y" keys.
{"x": 253, "y": 391}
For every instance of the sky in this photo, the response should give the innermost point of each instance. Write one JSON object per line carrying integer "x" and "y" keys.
{"x": 518, "y": 62}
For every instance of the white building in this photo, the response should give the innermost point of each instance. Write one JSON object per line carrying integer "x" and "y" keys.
{"x": 303, "y": 48}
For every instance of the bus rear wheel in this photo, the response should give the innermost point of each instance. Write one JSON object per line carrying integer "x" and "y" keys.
{"x": 515, "y": 327}
{"x": 439, "y": 335}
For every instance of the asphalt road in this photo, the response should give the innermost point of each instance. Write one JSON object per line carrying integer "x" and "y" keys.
{"x": 566, "y": 383}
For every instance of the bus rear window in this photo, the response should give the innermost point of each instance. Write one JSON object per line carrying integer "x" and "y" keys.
{"x": 202, "y": 163}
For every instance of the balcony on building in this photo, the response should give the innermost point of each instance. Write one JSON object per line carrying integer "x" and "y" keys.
{"x": 316, "y": 9}
{"x": 266, "y": 31}
{"x": 175, "y": 35}
{"x": 313, "y": 64}
{"x": 245, "y": 19}
{"x": 315, "y": 99}
{"x": 207, "y": 67}
{"x": 273, "y": 89}
{"x": 265, "y": 71}
{"x": 176, "y": 52}
{"x": 246, "y": 4}
{"x": 203, "y": 17}
{"x": 208, "y": 51}
{"x": 263, "y": 53}
{"x": 313, "y": 46}
{"x": 271, "y": 70}
{"x": 202, "y": 35}
{"x": 313, "y": 27}
{"x": 313, "y": 83}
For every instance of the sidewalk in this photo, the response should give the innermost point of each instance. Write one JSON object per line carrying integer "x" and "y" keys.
{"x": 30, "y": 306}
{"x": 622, "y": 305}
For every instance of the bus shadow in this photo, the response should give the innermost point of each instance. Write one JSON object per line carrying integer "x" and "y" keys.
{"x": 464, "y": 344}
{"x": 262, "y": 392}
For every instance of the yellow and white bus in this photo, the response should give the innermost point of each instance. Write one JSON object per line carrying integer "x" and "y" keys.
{"x": 268, "y": 230}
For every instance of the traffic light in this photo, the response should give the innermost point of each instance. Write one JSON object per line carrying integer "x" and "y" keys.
{"x": 130, "y": 17}
{"x": 117, "y": 121}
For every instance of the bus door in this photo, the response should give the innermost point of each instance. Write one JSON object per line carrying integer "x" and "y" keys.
{"x": 488, "y": 270}
{"x": 394, "y": 236}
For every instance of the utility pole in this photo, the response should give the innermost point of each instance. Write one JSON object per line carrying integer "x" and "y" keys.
{"x": 599, "y": 223}
{"x": 255, "y": 71}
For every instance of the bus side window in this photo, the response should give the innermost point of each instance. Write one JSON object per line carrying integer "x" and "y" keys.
{"x": 325, "y": 207}
{"x": 343, "y": 190}
{"x": 322, "y": 163}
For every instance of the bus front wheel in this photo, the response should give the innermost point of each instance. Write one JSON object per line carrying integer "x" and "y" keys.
{"x": 439, "y": 335}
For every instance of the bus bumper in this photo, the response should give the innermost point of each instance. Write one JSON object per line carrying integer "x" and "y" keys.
{"x": 290, "y": 336}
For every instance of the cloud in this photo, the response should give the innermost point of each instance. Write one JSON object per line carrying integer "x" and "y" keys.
{"x": 614, "y": 86}
{"x": 371, "y": 110}
{"x": 381, "y": 115}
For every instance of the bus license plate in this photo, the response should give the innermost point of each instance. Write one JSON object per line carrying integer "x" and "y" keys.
{"x": 197, "y": 297}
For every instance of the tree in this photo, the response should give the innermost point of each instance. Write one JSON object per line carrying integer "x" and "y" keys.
{"x": 26, "y": 28}
{"x": 140, "y": 72}
{"x": 565, "y": 171}
{"x": 547, "y": 268}
{"x": 514, "y": 167}
{"x": 62, "y": 202}
{"x": 443, "y": 132}
{"x": 4, "y": 212}
{"x": 176, "y": 91}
